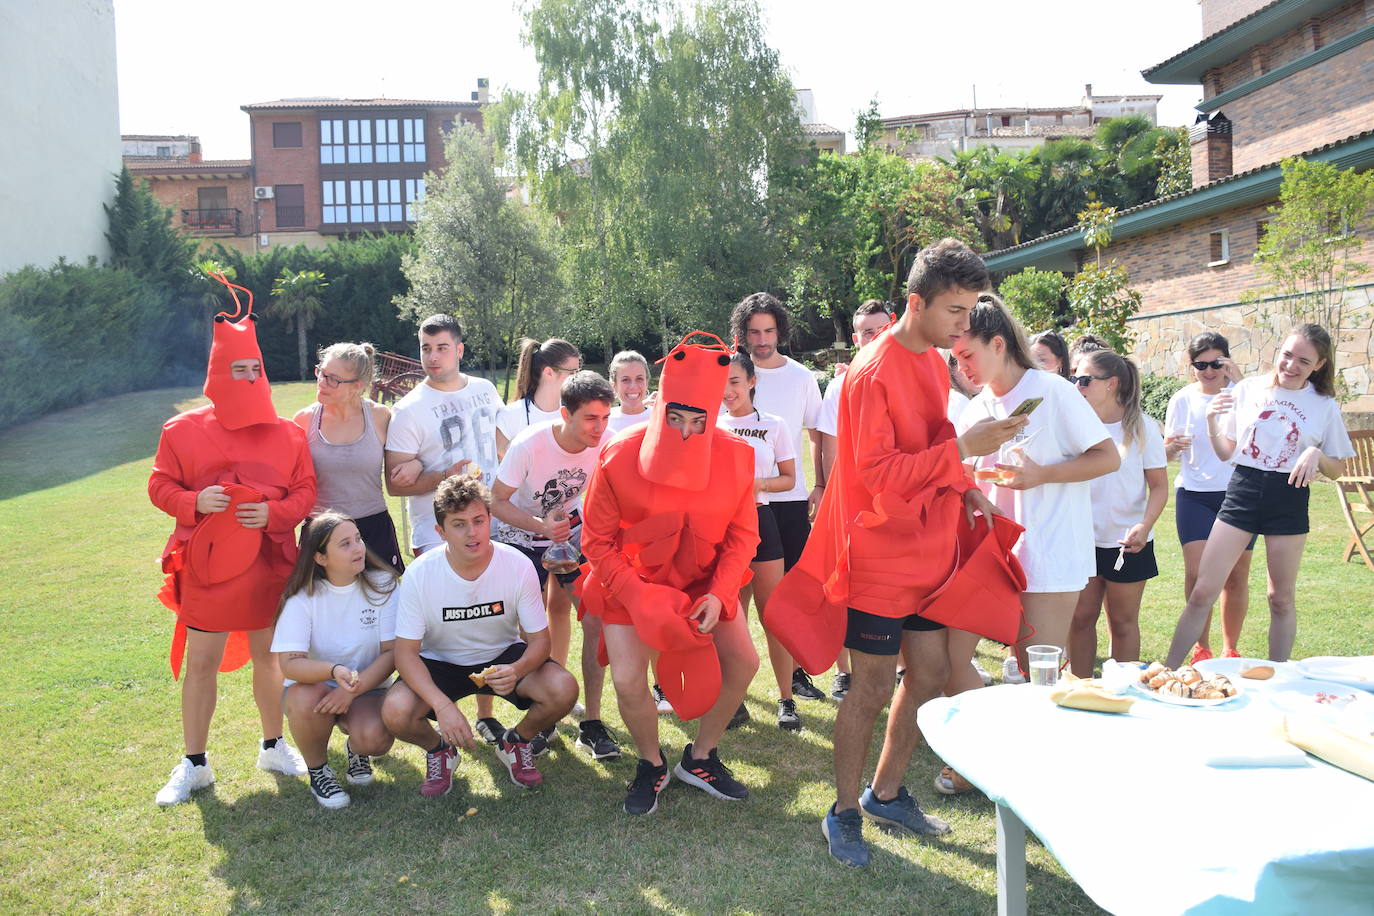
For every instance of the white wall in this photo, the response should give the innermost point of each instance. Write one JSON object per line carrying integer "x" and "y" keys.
{"x": 59, "y": 107}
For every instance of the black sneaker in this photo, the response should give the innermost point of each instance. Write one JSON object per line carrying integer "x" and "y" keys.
{"x": 802, "y": 686}
{"x": 788, "y": 719}
{"x": 710, "y": 775}
{"x": 324, "y": 785}
{"x": 739, "y": 718}
{"x": 594, "y": 737}
{"x": 490, "y": 730}
{"x": 359, "y": 772}
{"x": 539, "y": 744}
{"x": 840, "y": 687}
{"x": 645, "y": 787}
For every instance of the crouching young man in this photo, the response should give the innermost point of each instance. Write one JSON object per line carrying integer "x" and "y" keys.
{"x": 472, "y": 608}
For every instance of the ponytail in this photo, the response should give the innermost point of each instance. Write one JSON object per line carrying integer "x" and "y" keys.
{"x": 535, "y": 358}
{"x": 989, "y": 318}
{"x": 1127, "y": 391}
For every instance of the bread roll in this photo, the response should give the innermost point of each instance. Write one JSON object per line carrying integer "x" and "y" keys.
{"x": 1258, "y": 673}
{"x": 1176, "y": 688}
{"x": 1090, "y": 698}
{"x": 1189, "y": 675}
{"x": 480, "y": 677}
{"x": 1149, "y": 673}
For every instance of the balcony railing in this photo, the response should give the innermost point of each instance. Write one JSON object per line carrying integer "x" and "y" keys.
{"x": 218, "y": 219}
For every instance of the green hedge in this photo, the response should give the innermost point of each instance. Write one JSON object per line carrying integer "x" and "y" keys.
{"x": 1155, "y": 392}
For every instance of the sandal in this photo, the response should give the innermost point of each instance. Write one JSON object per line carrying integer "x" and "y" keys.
{"x": 951, "y": 783}
{"x": 1200, "y": 654}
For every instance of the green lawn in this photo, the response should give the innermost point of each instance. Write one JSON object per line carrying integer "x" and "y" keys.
{"x": 92, "y": 728}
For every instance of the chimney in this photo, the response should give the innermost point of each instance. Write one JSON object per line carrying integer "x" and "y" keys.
{"x": 1211, "y": 148}
{"x": 194, "y": 155}
{"x": 481, "y": 94}
{"x": 1088, "y": 89}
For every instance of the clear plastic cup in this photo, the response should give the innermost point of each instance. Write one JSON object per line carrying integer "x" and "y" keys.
{"x": 1044, "y": 664}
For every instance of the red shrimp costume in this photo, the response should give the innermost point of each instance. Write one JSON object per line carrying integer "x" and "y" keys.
{"x": 667, "y": 520}
{"x": 222, "y": 576}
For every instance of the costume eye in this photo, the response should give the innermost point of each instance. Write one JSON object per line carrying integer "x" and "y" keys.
{"x": 680, "y": 354}
{"x": 723, "y": 360}
{"x": 221, "y": 318}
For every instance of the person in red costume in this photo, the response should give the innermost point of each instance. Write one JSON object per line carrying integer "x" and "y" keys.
{"x": 238, "y": 480}
{"x": 885, "y": 541}
{"x": 669, "y": 529}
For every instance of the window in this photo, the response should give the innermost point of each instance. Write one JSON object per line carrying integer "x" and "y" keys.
{"x": 415, "y": 192}
{"x": 389, "y": 206}
{"x": 164, "y": 152}
{"x": 446, "y": 125}
{"x": 1261, "y": 229}
{"x": 388, "y": 140}
{"x": 212, "y": 198}
{"x": 360, "y": 205}
{"x": 331, "y": 142}
{"x": 1006, "y": 120}
{"x": 386, "y": 200}
{"x": 286, "y": 134}
{"x": 360, "y": 141}
{"x": 413, "y": 140}
{"x": 334, "y": 196}
{"x": 290, "y": 205}
{"x": 1219, "y": 249}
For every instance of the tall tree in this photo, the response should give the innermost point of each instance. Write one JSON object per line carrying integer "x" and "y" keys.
{"x": 296, "y": 300}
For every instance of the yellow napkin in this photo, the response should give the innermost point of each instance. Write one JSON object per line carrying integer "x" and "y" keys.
{"x": 1351, "y": 752}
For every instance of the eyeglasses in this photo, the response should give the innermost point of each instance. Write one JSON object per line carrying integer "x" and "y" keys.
{"x": 333, "y": 381}
{"x": 1083, "y": 381}
{"x": 1199, "y": 364}
{"x": 565, "y": 369}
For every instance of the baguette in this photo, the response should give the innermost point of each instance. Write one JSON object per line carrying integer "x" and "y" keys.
{"x": 1353, "y": 753}
{"x": 1258, "y": 673}
{"x": 1092, "y": 699}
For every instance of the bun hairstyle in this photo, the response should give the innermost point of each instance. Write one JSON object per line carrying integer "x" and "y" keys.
{"x": 1323, "y": 379}
{"x": 377, "y": 579}
{"x": 1208, "y": 340}
{"x": 625, "y": 358}
{"x": 535, "y": 357}
{"x": 1051, "y": 341}
{"x": 989, "y": 318}
{"x": 1127, "y": 376}
{"x": 360, "y": 357}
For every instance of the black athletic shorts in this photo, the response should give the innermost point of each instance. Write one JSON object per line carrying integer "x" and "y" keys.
{"x": 379, "y": 535}
{"x": 770, "y": 542}
{"x": 1135, "y": 567}
{"x": 878, "y": 635}
{"x": 1264, "y": 502}
{"x": 453, "y": 679}
{"x": 1194, "y": 512}
{"x": 793, "y": 528}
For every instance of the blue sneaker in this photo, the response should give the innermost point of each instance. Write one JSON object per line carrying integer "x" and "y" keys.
{"x": 902, "y": 811}
{"x": 844, "y": 831}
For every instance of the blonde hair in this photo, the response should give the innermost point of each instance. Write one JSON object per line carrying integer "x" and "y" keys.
{"x": 1127, "y": 390}
{"x": 360, "y": 356}
{"x": 624, "y": 358}
{"x": 535, "y": 357}
{"x": 989, "y": 318}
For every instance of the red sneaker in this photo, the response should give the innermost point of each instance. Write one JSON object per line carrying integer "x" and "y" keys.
{"x": 1230, "y": 653}
{"x": 518, "y": 757}
{"x": 1200, "y": 655}
{"x": 439, "y": 772}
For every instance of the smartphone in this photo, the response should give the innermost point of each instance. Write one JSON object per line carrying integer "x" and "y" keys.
{"x": 1025, "y": 407}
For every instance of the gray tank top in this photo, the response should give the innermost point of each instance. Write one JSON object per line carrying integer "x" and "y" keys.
{"x": 348, "y": 477}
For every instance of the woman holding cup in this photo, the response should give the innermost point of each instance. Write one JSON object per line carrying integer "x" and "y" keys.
{"x": 1201, "y": 484}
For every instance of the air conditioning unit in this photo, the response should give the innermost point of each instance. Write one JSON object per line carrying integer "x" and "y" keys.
{"x": 262, "y": 193}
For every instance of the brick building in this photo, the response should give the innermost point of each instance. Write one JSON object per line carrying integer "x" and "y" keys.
{"x": 1296, "y": 78}
{"x": 210, "y": 198}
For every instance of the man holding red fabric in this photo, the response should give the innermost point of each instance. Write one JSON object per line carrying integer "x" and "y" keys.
{"x": 238, "y": 480}
{"x": 669, "y": 528}
{"x": 885, "y": 541}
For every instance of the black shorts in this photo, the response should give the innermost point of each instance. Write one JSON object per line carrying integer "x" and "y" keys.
{"x": 1137, "y": 567}
{"x": 378, "y": 532}
{"x": 770, "y": 542}
{"x": 878, "y": 635}
{"x": 793, "y": 529}
{"x": 1194, "y": 512}
{"x": 455, "y": 684}
{"x": 1264, "y": 502}
{"x": 536, "y": 555}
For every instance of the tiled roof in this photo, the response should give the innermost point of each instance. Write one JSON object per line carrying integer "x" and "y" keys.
{"x": 325, "y": 103}
{"x": 982, "y": 113}
{"x": 154, "y": 164}
{"x": 158, "y": 137}
{"x": 1047, "y": 130}
{"x": 821, "y": 130}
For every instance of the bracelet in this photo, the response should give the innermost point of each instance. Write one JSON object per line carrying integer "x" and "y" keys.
{"x": 331, "y": 671}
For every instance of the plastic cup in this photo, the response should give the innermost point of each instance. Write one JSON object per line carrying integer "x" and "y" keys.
{"x": 1044, "y": 664}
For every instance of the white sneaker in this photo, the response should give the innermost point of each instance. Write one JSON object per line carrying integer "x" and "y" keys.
{"x": 282, "y": 758}
{"x": 660, "y": 701}
{"x": 185, "y": 778}
{"x": 982, "y": 673}
{"x": 577, "y": 712}
{"x": 1011, "y": 671}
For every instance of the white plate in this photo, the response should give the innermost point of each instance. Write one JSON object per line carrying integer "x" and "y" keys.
{"x": 1339, "y": 704}
{"x": 1231, "y": 667}
{"x": 1188, "y": 701}
{"x": 1357, "y": 671}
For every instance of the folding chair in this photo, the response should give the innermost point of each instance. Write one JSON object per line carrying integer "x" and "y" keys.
{"x": 1355, "y": 490}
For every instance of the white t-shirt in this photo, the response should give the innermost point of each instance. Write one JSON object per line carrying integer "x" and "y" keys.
{"x": 957, "y": 402}
{"x": 1199, "y": 468}
{"x": 442, "y": 428}
{"x": 790, "y": 391}
{"x": 342, "y": 624}
{"x": 1276, "y": 425}
{"x": 544, "y": 476}
{"x": 519, "y": 415}
{"x": 1056, "y": 550}
{"x": 1119, "y": 497}
{"x": 828, "y": 421}
{"x": 769, "y": 438}
{"x": 620, "y": 422}
{"x": 469, "y": 623}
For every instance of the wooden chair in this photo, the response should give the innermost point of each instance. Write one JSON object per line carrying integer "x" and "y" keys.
{"x": 1356, "y": 492}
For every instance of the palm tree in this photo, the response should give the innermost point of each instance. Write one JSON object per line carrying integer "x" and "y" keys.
{"x": 296, "y": 298}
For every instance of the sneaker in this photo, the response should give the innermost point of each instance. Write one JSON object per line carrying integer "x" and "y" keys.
{"x": 901, "y": 673}
{"x": 902, "y": 811}
{"x": 184, "y": 779}
{"x": 594, "y": 737}
{"x": 788, "y": 720}
{"x": 710, "y": 775}
{"x": 324, "y": 785}
{"x": 1230, "y": 653}
{"x": 359, "y": 772}
{"x": 840, "y": 687}
{"x": 660, "y": 701}
{"x": 282, "y": 758}
{"x": 490, "y": 730}
{"x": 577, "y": 712}
{"x": 1011, "y": 671}
{"x": 1200, "y": 654}
{"x": 802, "y": 686}
{"x": 540, "y": 743}
{"x": 516, "y": 753}
{"x": 739, "y": 718}
{"x": 844, "y": 831}
{"x": 439, "y": 772}
{"x": 982, "y": 673}
{"x": 646, "y": 787}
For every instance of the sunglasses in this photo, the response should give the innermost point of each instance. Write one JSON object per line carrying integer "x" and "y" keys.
{"x": 1199, "y": 364}
{"x": 1083, "y": 381}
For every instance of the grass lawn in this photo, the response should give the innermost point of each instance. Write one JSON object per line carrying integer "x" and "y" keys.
{"x": 90, "y": 714}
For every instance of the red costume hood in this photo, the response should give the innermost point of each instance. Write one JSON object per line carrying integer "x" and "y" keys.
{"x": 694, "y": 376}
{"x": 238, "y": 402}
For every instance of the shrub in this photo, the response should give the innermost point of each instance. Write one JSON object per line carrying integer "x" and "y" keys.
{"x": 1155, "y": 392}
